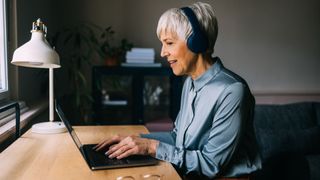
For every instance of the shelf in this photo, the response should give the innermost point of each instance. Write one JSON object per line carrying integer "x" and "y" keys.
{"x": 135, "y": 94}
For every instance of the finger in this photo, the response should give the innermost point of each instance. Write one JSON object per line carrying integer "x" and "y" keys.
{"x": 127, "y": 153}
{"x": 99, "y": 144}
{"x": 129, "y": 141}
{"x": 126, "y": 141}
{"x": 111, "y": 149}
{"x": 104, "y": 145}
{"x": 114, "y": 148}
{"x": 120, "y": 151}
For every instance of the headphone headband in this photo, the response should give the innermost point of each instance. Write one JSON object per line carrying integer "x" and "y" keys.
{"x": 197, "y": 42}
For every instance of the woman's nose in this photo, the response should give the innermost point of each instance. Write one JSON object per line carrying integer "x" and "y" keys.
{"x": 163, "y": 53}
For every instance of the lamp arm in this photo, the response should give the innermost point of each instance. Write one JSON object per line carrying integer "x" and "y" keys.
{"x": 49, "y": 127}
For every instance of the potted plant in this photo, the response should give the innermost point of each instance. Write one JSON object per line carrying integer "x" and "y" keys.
{"x": 111, "y": 53}
{"x": 77, "y": 46}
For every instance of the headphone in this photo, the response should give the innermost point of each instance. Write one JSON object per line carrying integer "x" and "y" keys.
{"x": 197, "y": 42}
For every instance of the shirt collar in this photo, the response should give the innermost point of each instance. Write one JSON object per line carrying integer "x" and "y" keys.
{"x": 202, "y": 80}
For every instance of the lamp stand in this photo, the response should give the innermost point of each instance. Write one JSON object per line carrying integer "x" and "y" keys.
{"x": 49, "y": 127}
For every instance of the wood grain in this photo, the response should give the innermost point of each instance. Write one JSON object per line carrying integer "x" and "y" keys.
{"x": 55, "y": 156}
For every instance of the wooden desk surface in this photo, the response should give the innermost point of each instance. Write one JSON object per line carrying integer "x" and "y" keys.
{"x": 55, "y": 156}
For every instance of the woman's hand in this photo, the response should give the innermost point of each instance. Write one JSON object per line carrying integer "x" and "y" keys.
{"x": 130, "y": 145}
{"x": 104, "y": 145}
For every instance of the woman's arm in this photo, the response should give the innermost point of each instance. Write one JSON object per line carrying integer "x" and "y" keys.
{"x": 145, "y": 144}
{"x": 166, "y": 137}
{"x": 223, "y": 139}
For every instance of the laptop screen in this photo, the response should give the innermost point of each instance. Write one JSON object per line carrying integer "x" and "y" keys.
{"x": 68, "y": 125}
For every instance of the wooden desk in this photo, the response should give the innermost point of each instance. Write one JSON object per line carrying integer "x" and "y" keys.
{"x": 55, "y": 156}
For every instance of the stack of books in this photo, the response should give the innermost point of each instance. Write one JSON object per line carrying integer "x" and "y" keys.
{"x": 140, "y": 57}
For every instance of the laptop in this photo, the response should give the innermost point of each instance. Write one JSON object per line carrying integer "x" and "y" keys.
{"x": 98, "y": 160}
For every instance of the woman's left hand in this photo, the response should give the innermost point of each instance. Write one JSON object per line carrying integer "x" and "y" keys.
{"x": 132, "y": 145}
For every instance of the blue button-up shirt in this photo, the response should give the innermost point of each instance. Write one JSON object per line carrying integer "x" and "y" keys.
{"x": 213, "y": 134}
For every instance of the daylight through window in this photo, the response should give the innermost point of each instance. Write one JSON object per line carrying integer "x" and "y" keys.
{"x": 3, "y": 50}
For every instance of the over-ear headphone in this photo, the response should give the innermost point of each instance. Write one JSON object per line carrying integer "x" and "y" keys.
{"x": 197, "y": 42}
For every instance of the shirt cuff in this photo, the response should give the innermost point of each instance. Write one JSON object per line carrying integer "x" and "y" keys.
{"x": 169, "y": 153}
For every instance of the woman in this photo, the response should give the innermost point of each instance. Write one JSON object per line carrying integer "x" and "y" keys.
{"x": 213, "y": 134}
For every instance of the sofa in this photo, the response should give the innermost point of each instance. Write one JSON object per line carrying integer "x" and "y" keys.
{"x": 288, "y": 137}
{"x": 289, "y": 140}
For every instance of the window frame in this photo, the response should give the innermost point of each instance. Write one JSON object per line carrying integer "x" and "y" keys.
{"x": 4, "y": 91}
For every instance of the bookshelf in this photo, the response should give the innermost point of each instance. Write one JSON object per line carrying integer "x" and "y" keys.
{"x": 134, "y": 95}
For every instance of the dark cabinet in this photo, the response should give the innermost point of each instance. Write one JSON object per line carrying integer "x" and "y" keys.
{"x": 134, "y": 95}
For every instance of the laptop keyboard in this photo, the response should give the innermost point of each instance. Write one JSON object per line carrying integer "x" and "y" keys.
{"x": 99, "y": 158}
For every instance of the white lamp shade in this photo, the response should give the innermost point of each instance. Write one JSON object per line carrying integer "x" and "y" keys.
{"x": 36, "y": 53}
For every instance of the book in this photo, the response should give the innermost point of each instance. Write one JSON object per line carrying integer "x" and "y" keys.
{"x": 141, "y": 64}
{"x": 140, "y": 60}
{"x": 147, "y": 54}
{"x": 115, "y": 102}
{"x": 136, "y": 56}
{"x": 143, "y": 50}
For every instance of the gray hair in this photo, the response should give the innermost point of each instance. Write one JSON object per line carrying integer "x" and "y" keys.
{"x": 175, "y": 21}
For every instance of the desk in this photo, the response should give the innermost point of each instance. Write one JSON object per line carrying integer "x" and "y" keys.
{"x": 55, "y": 156}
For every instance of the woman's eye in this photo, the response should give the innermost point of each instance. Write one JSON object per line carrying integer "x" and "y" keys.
{"x": 169, "y": 43}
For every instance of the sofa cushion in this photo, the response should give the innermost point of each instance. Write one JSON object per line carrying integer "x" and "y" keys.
{"x": 286, "y": 128}
{"x": 314, "y": 166}
{"x": 290, "y": 116}
{"x": 286, "y": 166}
{"x": 317, "y": 110}
{"x": 274, "y": 142}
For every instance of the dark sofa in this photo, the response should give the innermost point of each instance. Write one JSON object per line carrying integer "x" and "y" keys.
{"x": 289, "y": 140}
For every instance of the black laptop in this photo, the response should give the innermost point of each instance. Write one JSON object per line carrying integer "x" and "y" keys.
{"x": 98, "y": 160}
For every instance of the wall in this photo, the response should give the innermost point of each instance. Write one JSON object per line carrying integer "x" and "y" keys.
{"x": 32, "y": 82}
{"x": 274, "y": 45}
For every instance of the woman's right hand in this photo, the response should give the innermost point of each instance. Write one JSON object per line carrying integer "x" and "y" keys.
{"x": 105, "y": 144}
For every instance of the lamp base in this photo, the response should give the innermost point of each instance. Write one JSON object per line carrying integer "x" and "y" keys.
{"x": 49, "y": 128}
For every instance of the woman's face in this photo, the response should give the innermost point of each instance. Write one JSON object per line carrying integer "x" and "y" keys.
{"x": 181, "y": 59}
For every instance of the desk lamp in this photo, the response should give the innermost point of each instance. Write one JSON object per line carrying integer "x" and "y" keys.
{"x": 37, "y": 53}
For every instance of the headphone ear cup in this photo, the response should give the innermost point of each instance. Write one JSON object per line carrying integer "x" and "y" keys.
{"x": 197, "y": 43}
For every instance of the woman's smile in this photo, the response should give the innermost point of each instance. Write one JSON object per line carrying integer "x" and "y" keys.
{"x": 172, "y": 62}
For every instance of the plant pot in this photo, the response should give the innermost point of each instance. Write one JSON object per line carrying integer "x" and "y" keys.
{"x": 112, "y": 61}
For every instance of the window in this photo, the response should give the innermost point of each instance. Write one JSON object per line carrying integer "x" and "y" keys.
{"x": 3, "y": 52}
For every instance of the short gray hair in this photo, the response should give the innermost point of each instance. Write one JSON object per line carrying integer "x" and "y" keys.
{"x": 175, "y": 21}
